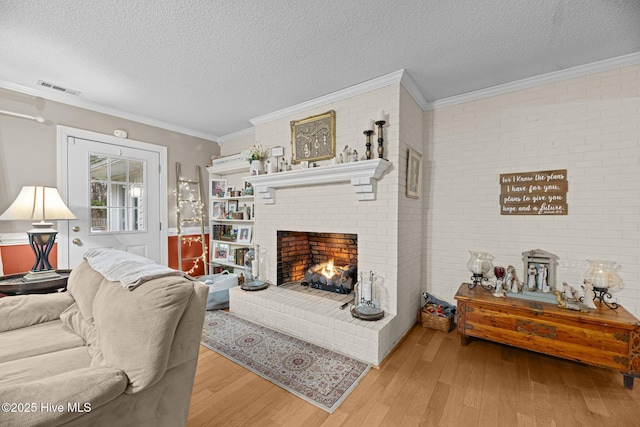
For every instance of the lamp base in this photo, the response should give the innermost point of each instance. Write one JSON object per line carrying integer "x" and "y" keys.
{"x": 603, "y": 296}
{"x": 38, "y": 276}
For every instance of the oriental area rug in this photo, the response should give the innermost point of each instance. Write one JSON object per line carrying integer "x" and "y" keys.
{"x": 315, "y": 374}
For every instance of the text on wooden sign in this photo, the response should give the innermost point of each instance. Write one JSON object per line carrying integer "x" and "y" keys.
{"x": 534, "y": 193}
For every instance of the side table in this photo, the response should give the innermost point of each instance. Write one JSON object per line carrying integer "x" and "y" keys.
{"x": 13, "y": 285}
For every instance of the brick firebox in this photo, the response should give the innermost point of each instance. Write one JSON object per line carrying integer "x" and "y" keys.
{"x": 298, "y": 250}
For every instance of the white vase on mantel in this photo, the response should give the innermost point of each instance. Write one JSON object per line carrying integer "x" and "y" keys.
{"x": 256, "y": 167}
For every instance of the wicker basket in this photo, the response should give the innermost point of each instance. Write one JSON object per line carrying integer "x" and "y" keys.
{"x": 432, "y": 321}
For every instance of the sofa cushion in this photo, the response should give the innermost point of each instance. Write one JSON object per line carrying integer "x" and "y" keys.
{"x": 43, "y": 365}
{"x": 83, "y": 284}
{"x": 77, "y": 392}
{"x": 37, "y": 339}
{"x": 72, "y": 318}
{"x": 25, "y": 310}
{"x": 136, "y": 328}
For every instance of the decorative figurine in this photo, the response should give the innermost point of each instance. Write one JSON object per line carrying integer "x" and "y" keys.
{"x": 499, "y": 290}
{"x": 542, "y": 279}
{"x": 571, "y": 305}
{"x": 512, "y": 282}
{"x": 532, "y": 272}
{"x": 588, "y": 295}
{"x": 346, "y": 154}
{"x": 354, "y": 156}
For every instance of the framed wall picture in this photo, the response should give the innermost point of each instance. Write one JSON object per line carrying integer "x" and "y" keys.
{"x": 220, "y": 251}
{"x": 218, "y": 187}
{"x": 313, "y": 138}
{"x": 414, "y": 174}
{"x": 244, "y": 234}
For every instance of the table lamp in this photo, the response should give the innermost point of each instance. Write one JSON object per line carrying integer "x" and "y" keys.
{"x": 39, "y": 204}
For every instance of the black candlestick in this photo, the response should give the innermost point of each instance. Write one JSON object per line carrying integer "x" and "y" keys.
{"x": 368, "y": 133}
{"x": 380, "y": 139}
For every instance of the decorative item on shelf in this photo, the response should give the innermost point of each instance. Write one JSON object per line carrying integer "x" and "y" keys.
{"x": 269, "y": 167}
{"x": 565, "y": 299}
{"x": 367, "y": 304}
{"x": 255, "y": 155}
{"x": 368, "y": 132}
{"x": 499, "y": 290}
{"x": 601, "y": 277}
{"x": 511, "y": 282}
{"x": 540, "y": 270}
{"x": 43, "y": 204}
{"x": 480, "y": 264}
{"x": 380, "y": 123}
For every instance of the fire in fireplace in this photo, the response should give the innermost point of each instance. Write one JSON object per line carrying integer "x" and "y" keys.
{"x": 326, "y": 261}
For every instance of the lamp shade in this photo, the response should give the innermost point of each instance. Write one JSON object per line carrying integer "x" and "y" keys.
{"x": 38, "y": 204}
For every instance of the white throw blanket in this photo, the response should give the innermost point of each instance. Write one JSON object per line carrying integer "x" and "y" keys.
{"x": 129, "y": 269}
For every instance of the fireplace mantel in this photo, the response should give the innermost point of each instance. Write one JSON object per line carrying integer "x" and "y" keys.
{"x": 363, "y": 175}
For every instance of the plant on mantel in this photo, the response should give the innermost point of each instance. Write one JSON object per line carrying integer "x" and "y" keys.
{"x": 255, "y": 152}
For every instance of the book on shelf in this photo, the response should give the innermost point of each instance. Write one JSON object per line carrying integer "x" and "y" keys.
{"x": 224, "y": 232}
{"x": 239, "y": 255}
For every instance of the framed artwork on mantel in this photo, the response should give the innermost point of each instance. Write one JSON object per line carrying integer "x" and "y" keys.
{"x": 313, "y": 138}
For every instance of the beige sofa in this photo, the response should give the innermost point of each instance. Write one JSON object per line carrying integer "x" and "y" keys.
{"x": 99, "y": 354}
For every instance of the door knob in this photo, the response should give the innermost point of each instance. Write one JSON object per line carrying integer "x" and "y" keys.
{"x": 76, "y": 228}
{"x": 77, "y": 242}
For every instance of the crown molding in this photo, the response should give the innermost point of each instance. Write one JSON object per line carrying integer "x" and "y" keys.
{"x": 410, "y": 85}
{"x": 230, "y": 136}
{"x": 368, "y": 86}
{"x": 77, "y": 102}
{"x": 543, "y": 79}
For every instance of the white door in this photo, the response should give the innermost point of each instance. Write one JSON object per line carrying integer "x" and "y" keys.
{"x": 115, "y": 192}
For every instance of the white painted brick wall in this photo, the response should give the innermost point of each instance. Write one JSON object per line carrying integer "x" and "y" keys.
{"x": 589, "y": 126}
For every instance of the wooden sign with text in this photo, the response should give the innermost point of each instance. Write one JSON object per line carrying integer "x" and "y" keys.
{"x": 534, "y": 193}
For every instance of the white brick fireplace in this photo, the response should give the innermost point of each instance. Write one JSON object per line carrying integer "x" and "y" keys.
{"x": 328, "y": 200}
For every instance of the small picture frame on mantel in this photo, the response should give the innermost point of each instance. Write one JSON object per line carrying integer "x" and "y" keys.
{"x": 414, "y": 174}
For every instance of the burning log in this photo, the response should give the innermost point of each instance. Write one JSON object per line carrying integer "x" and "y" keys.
{"x": 332, "y": 278}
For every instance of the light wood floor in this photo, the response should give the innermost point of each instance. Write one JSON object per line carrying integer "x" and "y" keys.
{"x": 431, "y": 380}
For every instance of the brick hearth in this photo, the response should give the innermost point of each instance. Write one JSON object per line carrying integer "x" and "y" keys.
{"x": 315, "y": 319}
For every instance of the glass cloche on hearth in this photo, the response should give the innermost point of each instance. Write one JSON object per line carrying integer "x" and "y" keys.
{"x": 367, "y": 304}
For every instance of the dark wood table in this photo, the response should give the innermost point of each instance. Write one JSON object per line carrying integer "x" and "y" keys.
{"x": 14, "y": 285}
{"x": 601, "y": 337}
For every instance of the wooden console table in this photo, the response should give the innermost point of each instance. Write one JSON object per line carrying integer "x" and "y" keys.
{"x": 602, "y": 337}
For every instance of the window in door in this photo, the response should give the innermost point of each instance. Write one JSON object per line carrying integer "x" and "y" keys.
{"x": 117, "y": 194}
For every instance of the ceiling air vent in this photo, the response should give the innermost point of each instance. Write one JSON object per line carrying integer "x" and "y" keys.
{"x": 58, "y": 88}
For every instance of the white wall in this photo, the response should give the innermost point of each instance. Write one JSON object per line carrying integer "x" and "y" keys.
{"x": 589, "y": 126}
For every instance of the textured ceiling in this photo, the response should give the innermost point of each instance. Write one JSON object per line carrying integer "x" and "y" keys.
{"x": 210, "y": 65}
